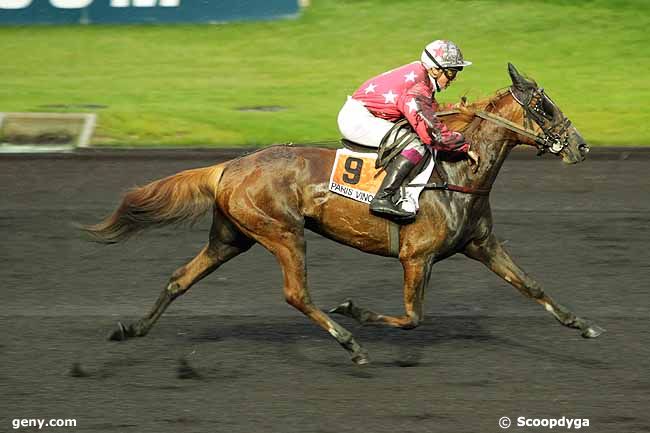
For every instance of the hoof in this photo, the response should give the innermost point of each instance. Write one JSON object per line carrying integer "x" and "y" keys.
{"x": 343, "y": 308}
{"x": 592, "y": 331}
{"x": 120, "y": 334}
{"x": 361, "y": 359}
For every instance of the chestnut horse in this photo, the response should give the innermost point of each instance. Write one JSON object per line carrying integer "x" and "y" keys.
{"x": 272, "y": 195}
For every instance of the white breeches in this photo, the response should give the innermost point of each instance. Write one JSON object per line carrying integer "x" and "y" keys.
{"x": 357, "y": 124}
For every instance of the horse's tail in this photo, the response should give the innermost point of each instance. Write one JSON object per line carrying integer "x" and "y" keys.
{"x": 184, "y": 196}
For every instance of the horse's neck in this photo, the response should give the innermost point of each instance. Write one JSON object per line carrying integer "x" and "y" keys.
{"x": 493, "y": 148}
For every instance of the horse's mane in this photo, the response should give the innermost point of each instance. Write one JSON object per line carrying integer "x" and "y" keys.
{"x": 460, "y": 121}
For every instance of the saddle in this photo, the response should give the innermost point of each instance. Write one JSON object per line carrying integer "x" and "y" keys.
{"x": 392, "y": 144}
{"x": 396, "y": 139}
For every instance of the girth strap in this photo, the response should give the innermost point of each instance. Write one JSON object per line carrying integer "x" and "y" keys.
{"x": 393, "y": 238}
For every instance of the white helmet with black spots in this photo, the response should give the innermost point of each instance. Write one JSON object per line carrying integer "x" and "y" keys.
{"x": 443, "y": 54}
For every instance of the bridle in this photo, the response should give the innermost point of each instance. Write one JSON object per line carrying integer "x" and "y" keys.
{"x": 555, "y": 136}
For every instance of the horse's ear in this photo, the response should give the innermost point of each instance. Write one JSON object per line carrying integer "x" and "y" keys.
{"x": 517, "y": 80}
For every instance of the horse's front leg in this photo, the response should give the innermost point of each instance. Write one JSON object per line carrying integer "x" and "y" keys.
{"x": 416, "y": 275}
{"x": 491, "y": 253}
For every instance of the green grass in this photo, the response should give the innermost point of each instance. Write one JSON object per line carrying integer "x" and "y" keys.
{"x": 181, "y": 85}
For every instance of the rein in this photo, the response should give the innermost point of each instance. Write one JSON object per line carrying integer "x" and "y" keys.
{"x": 490, "y": 117}
{"x": 504, "y": 123}
{"x": 552, "y": 139}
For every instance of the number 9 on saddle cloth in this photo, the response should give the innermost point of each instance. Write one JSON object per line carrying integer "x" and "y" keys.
{"x": 358, "y": 170}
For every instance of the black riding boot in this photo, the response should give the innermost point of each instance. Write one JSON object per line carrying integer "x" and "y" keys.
{"x": 383, "y": 204}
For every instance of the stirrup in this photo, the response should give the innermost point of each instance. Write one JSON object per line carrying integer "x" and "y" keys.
{"x": 386, "y": 207}
{"x": 404, "y": 198}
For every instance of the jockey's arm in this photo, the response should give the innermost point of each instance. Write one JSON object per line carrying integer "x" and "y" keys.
{"x": 417, "y": 107}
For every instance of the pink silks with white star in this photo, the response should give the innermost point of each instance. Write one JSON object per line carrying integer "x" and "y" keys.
{"x": 402, "y": 92}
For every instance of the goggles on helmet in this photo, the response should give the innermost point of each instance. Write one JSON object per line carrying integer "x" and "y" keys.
{"x": 450, "y": 72}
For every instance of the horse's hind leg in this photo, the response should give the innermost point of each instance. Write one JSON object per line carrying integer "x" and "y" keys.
{"x": 225, "y": 243}
{"x": 494, "y": 256}
{"x": 416, "y": 276}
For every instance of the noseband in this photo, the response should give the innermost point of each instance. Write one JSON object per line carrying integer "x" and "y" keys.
{"x": 555, "y": 135}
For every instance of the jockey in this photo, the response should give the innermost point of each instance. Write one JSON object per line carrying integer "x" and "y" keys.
{"x": 406, "y": 92}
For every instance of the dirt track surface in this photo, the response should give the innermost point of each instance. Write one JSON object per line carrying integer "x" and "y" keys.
{"x": 232, "y": 356}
